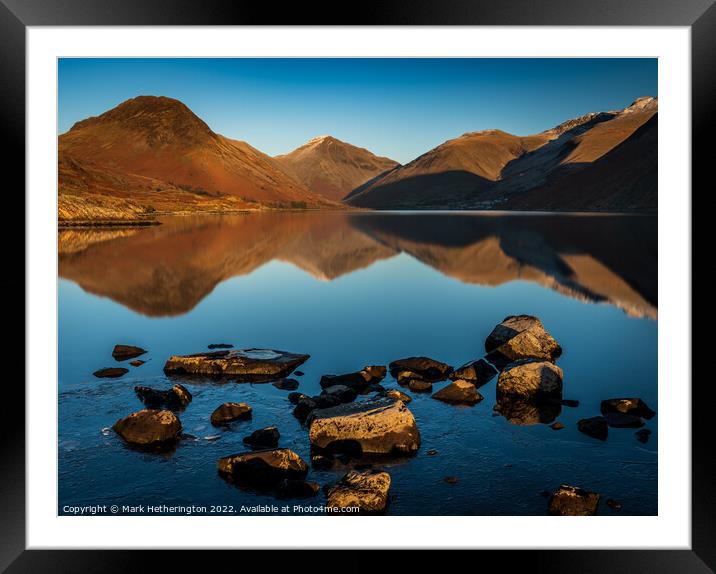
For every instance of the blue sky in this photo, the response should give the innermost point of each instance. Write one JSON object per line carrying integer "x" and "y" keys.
{"x": 399, "y": 108}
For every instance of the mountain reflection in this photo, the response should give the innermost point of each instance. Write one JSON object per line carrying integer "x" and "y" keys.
{"x": 167, "y": 270}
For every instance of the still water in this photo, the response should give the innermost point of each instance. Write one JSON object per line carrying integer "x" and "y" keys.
{"x": 353, "y": 289}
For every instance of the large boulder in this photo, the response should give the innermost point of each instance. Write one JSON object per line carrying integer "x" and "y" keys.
{"x": 367, "y": 491}
{"x": 520, "y": 337}
{"x": 374, "y": 426}
{"x": 176, "y": 398}
{"x": 149, "y": 428}
{"x": 263, "y": 468}
{"x": 250, "y": 365}
{"x": 573, "y": 501}
{"x": 633, "y": 406}
{"x": 530, "y": 379}
{"x": 230, "y": 412}
{"x": 476, "y": 372}
{"x": 357, "y": 381}
{"x": 124, "y": 352}
{"x": 459, "y": 392}
{"x": 425, "y": 367}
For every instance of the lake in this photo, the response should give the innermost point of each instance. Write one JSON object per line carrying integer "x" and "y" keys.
{"x": 354, "y": 289}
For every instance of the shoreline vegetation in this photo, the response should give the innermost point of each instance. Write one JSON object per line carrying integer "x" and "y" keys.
{"x": 151, "y": 156}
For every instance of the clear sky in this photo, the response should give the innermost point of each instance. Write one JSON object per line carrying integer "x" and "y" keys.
{"x": 398, "y": 108}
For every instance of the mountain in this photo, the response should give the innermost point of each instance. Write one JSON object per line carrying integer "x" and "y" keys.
{"x": 490, "y": 169}
{"x": 334, "y": 168}
{"x": 156, "y": 151}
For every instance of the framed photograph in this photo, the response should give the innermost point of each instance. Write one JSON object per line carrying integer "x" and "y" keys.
{"x": 428, "y": 270}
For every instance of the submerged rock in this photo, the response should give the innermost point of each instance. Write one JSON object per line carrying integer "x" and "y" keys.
{"x": 614, "y": 504}
{"x": 357, "y": 381}
{"x": 136, "y": 363}
{"x": 230, "y": 412}
{"x": 124, "y": 352}
{"x": 525, "y": 412}
{"x": 634, "y": 407}
{"x": 451, "y": 479}
{"x": 176, "y": 397}
{"x": 263, "y": 438}
{"x": 530, "y": 379}
{"x": 110, "y": 372}
{"x": 252, "y": 365}
{"x": 643, "y": 435}
{"x": 573, "y": 501}
{"x": 570, "y": 403}
{"x": 264, "y": 468}
{"x": 621, "y": 421}
{"x": 420, "y": 386}
{"x": 286, "y": 384}
{"x": 476, "y": 372}
{"x": 596, "y": 427}
{"x": 459, "y": 392}
{"x": 398, "y": 395}
{"x": 427, "y": 368}
{"x": 557, "y": 426}
{"x": 342, "y": 393}
{"x": 322, "y": 462}
{"x": 149, "y": 428}
{"x": 293, "y": 398}
{"x": 366, "y": 490}
{"x": 375, "y": 426}
{"x": 520, "y": 337}
{"x": 291, "y": 488}
{"x": 219, "y": 346}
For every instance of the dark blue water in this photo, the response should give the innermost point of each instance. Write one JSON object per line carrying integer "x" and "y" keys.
{"x": 352, "y": 290}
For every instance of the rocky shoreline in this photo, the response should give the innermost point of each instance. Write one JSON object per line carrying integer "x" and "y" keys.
{"x": 357, "y": 418}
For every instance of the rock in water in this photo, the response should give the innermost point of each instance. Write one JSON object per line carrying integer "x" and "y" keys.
{"x": 341, "y": 392}
{"x": 289, "y": 488}
{"x": 376, "y": 426}
{"x": 366, "y": 490}
{"x": 573, "y": 501}
{"x": 643, "y": 435}
{"x": 251, "y": 365}
{"x": 557, "y": 426}
{"x": 633, "y": 407}
{"x": 477, "y": 372}
{"x": 219, "y": 346}
{"x": 398, "y": 395}
{"x": 530, "y": 379}
{"x": 136, "y": 363}
{"x": 149, "y": 428}
{"x": 623, "y": 421}
{"x": 420, "y": 386}
{"x": 263, "y": 438}
{"x": 286, "y": 384}
{"x": 124, "y": 352}
{"x": 293, "y": 398}
{"x": 264, "y": 468}
{"x": 230, "y": 412}
{"x": 428, "y": 369}
{"x": 110, "y": 372}
{"x": 357, "y": 381}
{"x": 459, "y": 392}
{"x": 520, "y": 337}
{"x": 596, "y": 427}
{"x": 176, "y": 397}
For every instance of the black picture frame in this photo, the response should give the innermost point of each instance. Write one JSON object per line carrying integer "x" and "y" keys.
{"x": 17, "y": 15}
